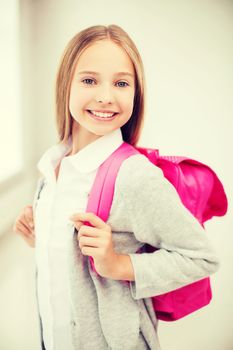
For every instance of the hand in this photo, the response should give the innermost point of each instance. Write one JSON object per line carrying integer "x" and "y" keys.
{"x": 96, "y": 242}
{"x": 24, "y": 225}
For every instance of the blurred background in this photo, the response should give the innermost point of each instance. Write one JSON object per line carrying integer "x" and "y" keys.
{"x": 187, "y": 50}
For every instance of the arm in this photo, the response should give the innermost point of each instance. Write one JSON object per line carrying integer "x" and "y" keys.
{"x": 123, "y": 269}
{"x": 159, "y": 218}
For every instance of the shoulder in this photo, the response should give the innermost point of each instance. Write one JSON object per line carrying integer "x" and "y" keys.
{"x": 136, "y": 172}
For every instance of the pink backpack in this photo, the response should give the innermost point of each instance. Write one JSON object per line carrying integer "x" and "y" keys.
{"x": 200, "y": 191}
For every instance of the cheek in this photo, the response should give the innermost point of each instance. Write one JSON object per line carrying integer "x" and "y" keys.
{"x": 127, "y": 102}
{"x": 78, "y": 99}
{"x": 73, "y": 99}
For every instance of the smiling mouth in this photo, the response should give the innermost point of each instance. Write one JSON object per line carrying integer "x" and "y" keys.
{"x": 101, "y": 118}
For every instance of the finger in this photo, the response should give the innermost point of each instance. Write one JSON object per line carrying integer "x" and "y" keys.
{"x": 88, "y": 242}
{"x": 29, "y": 238}
{"x": 88, "y": 231}
{"x": 28, "y": 214}
{"x": 89, "y": 251}
{"x": 93, "y": 219}
{"x": 27, "y": 221}
{"x": 21, "y": 228}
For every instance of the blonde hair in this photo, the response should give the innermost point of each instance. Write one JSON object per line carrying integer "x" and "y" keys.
{"x": 132, "y": 129}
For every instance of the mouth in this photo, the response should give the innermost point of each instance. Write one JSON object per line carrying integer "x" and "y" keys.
{"x": 102, "y": 117}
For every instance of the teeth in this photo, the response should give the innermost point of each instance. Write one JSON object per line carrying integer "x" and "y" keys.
{"x": 103, "y": 115}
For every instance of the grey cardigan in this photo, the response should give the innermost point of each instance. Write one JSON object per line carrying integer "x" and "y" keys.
{"x": 109, "y": 314}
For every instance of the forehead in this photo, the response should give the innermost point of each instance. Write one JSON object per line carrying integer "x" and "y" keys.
{"x": 103, "y": 56}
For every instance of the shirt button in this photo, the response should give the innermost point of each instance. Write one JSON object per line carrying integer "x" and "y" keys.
{"x": 73, "y": 323}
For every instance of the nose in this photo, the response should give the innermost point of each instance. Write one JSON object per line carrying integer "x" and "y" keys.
{"x": 105, "y": 94}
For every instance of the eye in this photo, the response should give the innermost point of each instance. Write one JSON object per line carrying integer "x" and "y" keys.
{"x": 123, "y": 82}
{"x": 87, "y": 79}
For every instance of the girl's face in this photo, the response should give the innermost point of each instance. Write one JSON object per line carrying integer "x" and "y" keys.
{"x": 104, "y": 81}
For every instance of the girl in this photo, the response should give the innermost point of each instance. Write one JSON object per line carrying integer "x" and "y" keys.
{"x": 100, "y": 104}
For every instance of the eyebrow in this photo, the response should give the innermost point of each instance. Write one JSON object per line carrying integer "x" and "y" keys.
{"x": 96, "y": 73}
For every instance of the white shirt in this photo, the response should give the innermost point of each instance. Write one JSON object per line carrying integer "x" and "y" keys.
{"x": 59, "y": 199}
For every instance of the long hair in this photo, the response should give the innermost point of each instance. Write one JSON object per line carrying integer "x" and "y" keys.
{"x": 132, "y": 129}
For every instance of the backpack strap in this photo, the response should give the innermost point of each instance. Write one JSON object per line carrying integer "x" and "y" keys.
{"x": 102, "y": 191}
{"x": 101, "y": 195}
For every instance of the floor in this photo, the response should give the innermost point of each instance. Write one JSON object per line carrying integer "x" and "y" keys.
{"x": 19, "y": 327}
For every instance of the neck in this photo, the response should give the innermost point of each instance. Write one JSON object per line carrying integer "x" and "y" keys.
{"x": 81, "y": 137}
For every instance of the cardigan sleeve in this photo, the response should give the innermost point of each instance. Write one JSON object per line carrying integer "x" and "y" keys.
{"x": 159, "y": 218}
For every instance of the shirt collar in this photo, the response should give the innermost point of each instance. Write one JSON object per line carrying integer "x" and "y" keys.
{"x": 86, "y": 160}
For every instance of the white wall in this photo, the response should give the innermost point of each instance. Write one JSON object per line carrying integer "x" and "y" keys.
{"x": 187, "y": 50}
